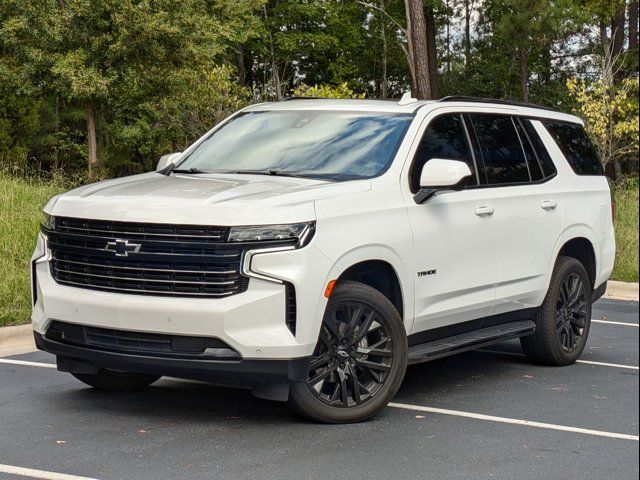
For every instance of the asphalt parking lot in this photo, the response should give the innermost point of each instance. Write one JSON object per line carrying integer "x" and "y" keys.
{"x": 464, "y": 416}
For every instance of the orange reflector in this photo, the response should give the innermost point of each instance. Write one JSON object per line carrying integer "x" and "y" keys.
{"x": 329, "y": 289}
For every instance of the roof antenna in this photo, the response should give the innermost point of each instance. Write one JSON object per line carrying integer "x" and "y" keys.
{"x": 407, "y": 99}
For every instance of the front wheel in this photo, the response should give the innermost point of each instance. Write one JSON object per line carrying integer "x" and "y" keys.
{"x": 359, "y": 361}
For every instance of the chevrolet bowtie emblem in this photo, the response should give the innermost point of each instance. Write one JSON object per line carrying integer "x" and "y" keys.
{"x": 122, "y": 248}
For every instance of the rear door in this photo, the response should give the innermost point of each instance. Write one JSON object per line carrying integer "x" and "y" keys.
{"x": 528, "y": 210}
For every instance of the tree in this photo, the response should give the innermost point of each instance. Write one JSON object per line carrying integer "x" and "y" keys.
{"x": 610, "y": 109}
{"x": 419, "y": 50}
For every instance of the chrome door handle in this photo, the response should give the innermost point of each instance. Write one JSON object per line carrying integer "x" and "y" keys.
{"x": 549, "y": 205}
{"x": 484, "y": 211}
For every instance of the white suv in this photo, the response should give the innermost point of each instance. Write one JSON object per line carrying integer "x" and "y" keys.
{"x": 311, "y": 249}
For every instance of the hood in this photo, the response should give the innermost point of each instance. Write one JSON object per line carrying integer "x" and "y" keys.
{"x": 209, "y": 199}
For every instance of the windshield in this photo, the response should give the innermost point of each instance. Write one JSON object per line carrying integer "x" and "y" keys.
{"x": 334, "y": 145}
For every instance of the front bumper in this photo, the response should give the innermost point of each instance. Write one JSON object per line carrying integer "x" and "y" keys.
{"x": 242, "y": 372}
{"x": 252, "y": 322}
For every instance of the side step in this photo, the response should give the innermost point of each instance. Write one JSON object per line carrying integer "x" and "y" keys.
{"x": 469, "y": 341}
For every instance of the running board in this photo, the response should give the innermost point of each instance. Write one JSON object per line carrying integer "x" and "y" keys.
{"x": 469, "y": 341}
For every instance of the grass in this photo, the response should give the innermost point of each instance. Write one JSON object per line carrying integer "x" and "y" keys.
{"x": 626, "y": 268}
{"x": 20, "y": 205}
{"x": 21, "y": 202}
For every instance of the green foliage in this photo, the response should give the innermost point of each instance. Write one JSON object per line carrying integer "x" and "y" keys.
{"x": 20, "y": 205}
{"x": 626, "y": 267}
{"x": 326, "y": 91}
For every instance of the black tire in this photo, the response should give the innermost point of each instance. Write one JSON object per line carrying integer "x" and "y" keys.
{"x": 564, "y": 319}
{"x": 362, "y": 323}
{"x": 113, "y": 381}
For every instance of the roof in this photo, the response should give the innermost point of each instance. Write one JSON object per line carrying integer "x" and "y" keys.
{"x": 392, "y": 106}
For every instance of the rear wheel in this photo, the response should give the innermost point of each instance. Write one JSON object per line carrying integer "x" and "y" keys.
{"x": 360, "y": 358}
{"x": 114, "y": 381}
{"x": 564, "y": 319}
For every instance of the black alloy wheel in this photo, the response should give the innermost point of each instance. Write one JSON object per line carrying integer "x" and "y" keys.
{"x": 564, "y": 318}
{"x": 359, "y": 360}
{"x": 571, "y": 312}
{"x": 353, "y": 357}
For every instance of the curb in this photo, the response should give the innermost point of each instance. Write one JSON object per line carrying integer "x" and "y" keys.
{"x": 622, "y": 290}
{"x": 16, "y": 340}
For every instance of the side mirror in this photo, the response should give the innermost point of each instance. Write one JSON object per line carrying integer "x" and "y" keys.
{"x": 440, "y": 174}
{"x": 167, "y": 159}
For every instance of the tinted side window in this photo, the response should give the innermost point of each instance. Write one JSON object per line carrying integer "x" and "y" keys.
{"x": 535, "y": 168}
{"x": 444, "y": 138}
{"x": 547, "y": 165}
{"x": 504, "y": 160}
{"x": 576, "y": 147}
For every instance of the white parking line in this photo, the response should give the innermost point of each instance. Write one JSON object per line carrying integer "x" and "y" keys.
{"x": 27, "y": 364}
{"x": 514, "y": 421}
{"x": 30, "y": 472}
{"x": 624, "y": 324}
{"x": 586, "y": 362}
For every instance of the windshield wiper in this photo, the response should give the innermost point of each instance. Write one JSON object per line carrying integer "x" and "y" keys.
{"x": 188, "y": 171}
{"x": 281, "y": 173}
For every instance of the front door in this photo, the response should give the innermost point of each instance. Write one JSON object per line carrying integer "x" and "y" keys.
{"x": 455, "y": 236}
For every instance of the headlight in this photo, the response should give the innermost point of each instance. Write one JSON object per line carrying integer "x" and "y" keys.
{"x": 302, "y": 232}
{"x": 48, "y": 221}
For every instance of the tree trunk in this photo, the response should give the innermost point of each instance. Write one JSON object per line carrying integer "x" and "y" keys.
{"x": 448, "y": 42}
{"x": 91, "y": 139}
{"x": 275, "y": 74}
{"x": 242, "y": 74}
{"x": 383, "y": 32}
{"x": 417, "y": 33}
{"x": 633, "y": 25}
{"x": 467, "y": 32}
{"x": 430, "y": 20}
{"x": 604, "y": 38}
{"x": 617, "y": 39}
{"x": 522, "y": 59}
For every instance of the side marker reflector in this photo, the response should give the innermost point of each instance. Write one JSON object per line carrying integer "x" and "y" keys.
{"x": 329, "y": 289}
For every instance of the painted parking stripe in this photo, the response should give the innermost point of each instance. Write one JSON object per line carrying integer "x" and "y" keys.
{"x": 624, "y": 324}
{"x": 514, "y": 421}
{"x": 27, "y": 364}
{"x": 586, "y": 362}
{"x": 32, "y": 473}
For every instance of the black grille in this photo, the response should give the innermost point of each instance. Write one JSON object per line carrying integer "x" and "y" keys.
{"x": 145, "y": 258}
{"x": 291, "y": 308}
{"x": 141, "y": 343}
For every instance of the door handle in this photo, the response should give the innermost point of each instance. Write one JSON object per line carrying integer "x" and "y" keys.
{"x": 484, "y": 211}
{"x": 549, "y": 205}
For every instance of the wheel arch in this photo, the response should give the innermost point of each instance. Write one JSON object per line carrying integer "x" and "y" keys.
{"x": 381, "y": 276}
{"x": 379, "y": 258}
{"x": 582, "y": 250}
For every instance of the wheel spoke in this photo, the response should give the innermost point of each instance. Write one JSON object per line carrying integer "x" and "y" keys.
{"x": 381, "y": 367}
{"x": 319, "y": 362}
{"x": 355, "y": 384}
{"x": 321, "y": 376}
{"x": 344, "y": 394}
{"x": 364, "y": 328}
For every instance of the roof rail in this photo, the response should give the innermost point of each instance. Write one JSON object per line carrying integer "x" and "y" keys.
{"x": 461, "y": 98}
{"x": 286, "y": 99}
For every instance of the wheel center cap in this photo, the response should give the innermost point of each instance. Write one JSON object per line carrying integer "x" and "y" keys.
{"x": 342, "y": 353}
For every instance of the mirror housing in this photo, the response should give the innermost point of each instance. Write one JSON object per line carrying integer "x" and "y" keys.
{"x": 166, "y": 160}
{"x": 439, "y": 174}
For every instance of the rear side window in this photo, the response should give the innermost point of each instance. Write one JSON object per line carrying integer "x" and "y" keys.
{"x": 504, "y": 159}
{"x": 576, "y": 147}
{"x": 445, "y": 138}
{"x": 540, "y": 164}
